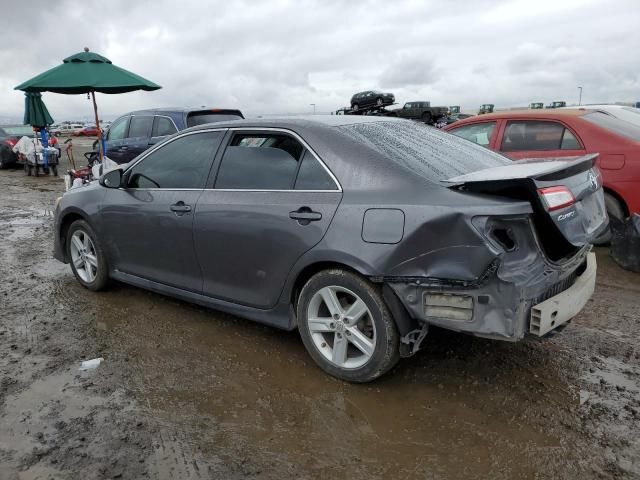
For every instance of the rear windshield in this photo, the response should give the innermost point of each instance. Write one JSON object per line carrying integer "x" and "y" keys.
{"x": 200, "y": 118}
{"x": 614, "y": 125}
{"x": 18, "y": 130}
{"x": 425, "y": 150}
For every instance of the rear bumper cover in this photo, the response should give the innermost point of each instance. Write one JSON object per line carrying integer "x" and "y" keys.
{"x": 562, "y": 307}
{"x": 500, "y": 304}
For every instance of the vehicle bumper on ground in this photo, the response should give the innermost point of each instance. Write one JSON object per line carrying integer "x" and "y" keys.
{"x": 503, "y": 304}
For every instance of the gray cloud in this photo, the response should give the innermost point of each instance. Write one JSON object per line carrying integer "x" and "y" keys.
{"x": 282, "y": 55}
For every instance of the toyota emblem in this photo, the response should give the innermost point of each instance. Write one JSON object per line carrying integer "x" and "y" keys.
{"x": 593, "y": 180}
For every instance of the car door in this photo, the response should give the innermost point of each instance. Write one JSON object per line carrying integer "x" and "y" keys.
{"x": 405, "y": 111}
{"x": 272, "y": 200}
{"x": 116, "y": 139}
{"x": 539, "y": 139}
{"x": 138, "y": 135}
{"x": 149, "y": 222}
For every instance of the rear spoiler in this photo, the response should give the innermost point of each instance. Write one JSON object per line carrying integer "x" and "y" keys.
{"x": 528, "y": 168}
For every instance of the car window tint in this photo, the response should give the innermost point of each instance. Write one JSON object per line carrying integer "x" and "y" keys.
{"x": 182, "y": 163}
{"x": 569, "y": 141}
{"x": 479, "y": 133}
{"x": 313, "y": 176}
{"x": 521, "y": 135}
{"x": 260, "y": 162}
{"x": 423, "y": 150}
{"x": 163, "y": 126}
{"x": 140, "y": 126}
{"x": 118, "y": 129}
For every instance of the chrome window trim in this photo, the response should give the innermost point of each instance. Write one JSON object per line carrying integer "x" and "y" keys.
{"x": 243, "y": 129}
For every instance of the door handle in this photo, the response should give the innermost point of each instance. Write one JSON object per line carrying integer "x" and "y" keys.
{"x": 180, "y": 208}
{"x": 304, "y": 215}
{"x": 124, "y": 147}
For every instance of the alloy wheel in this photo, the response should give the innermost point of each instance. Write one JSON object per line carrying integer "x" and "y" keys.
{"x": 341, "y": 327}
{"x": 83, "y": 256}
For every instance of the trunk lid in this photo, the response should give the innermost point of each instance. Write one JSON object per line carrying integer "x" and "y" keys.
{"x": 566, "y": 196}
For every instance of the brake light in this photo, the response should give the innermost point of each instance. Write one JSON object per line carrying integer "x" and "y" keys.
{"x": 11, "y": 142}
{"x": 556, "y": 197}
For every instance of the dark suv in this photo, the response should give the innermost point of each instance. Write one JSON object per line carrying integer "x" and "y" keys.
{"x": 371, "y": 98}
{"x": 133, "y": 133}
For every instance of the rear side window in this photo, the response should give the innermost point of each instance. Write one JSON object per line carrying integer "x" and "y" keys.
{"x": 424, "y": 150}
{"x": 614, "y": 125}
{"x": 140, "y": 126}
{"x": 260, "y": 162}
{"x": 118, "y": 129}
{"x": 182, "y": 163}
{"x": 479, "y": 133}
{"x": 313, "y": 176}
{"x": 200, "y": 118}
{"x": 523, "y": 135}
{"x": 163, "y": 126}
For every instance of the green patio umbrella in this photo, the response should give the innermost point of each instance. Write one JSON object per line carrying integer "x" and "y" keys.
{"x": 35, "y": 111}
{"x": 87, "y": 72}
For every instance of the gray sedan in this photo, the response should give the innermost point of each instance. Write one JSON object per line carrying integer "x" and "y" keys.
{"x": 360, "y": 232}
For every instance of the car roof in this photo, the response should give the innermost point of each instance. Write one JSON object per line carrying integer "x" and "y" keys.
{"x": 305, "y": 121}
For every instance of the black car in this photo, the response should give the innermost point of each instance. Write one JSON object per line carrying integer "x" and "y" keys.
{"x": 371, "y": 98}
{"x": 358, "y": 231}
{"x": 133, "y": 133}
{"x": 9, "y": 136}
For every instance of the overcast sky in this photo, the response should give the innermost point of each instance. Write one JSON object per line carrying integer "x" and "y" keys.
{"x": 281, "y": 56}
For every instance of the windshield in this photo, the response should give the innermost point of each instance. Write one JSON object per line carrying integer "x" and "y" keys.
{"x": 614, "y": 125}
{"x": 18, "y": 130}
{"x": 424, "y": 150}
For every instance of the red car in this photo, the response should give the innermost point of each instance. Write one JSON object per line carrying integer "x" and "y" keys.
{"x": 87, "y": 132}
{"x": 567, "y": 133}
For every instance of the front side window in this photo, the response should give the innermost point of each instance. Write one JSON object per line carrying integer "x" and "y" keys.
{"x": 140, "y": 126}
{"x": 118, "y": 129}
{"x": 260, "y": 162}
{"x": 162, "y": 127}
{"x": 524, "y": 135}
{"x": 479, "y": 133}
{"x": 182, "y": 163}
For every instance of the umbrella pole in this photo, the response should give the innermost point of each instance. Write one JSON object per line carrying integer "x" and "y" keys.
{"x": 95, "y": 111}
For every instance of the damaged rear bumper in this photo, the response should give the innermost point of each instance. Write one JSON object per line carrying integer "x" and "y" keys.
{"x": 502, "y": 303}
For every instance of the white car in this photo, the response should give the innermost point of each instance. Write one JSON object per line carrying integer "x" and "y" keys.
{"x": 621, "y": 112}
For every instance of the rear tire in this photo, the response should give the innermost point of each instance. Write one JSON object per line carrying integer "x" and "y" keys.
{"x": 614, "y": 210}
{"x": 426, "y": 118}
{"x": 54, "y": 170}
{"x": 379, "y": 102}
{"x": 352, "y": 335}
{"x": 355, "y": 107}
{"x": 86, "y": 256}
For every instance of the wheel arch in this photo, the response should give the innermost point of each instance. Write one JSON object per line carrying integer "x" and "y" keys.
{"x": 618, "y": 198}
{"x": 66, "y": 220}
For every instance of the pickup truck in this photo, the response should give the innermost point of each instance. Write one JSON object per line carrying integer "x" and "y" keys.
{"x": 420, "y": 111}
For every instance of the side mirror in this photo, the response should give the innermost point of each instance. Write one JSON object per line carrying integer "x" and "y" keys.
{"x": 112, "y": 179}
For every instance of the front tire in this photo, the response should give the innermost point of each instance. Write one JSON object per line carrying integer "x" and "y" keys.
{"x": 87, "y": 259}
{"x": 355, "y": 107}
{"x": 379, "y": 102}
{"x": 346, "y": 327}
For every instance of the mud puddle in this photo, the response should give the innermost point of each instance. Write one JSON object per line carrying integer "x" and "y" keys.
{"x": 186, "y": 392}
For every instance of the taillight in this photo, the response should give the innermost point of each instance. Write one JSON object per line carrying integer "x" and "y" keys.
{"x": 11, "y": 142}
{"x": 556, "y": 197}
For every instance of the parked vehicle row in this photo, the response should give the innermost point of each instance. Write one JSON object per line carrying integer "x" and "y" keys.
{"x": 271, "y": 220}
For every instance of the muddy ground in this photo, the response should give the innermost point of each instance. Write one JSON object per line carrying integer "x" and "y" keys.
{"x": 185, "y": 392}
